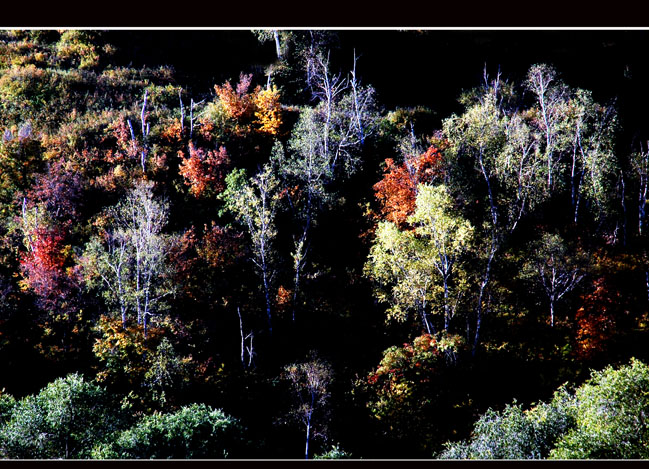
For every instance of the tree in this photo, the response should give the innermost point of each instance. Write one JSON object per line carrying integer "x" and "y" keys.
{"x": 558, "y": 272}
{"x": 311, "y": 173}
{"x": 167, "y": 373}
{"x": 147, "y": 372}
{"x": 415, "y": 269}
{"x": 605, "y": 418}
{"x": 514, "y": 433}
{"x": 64, "y": 420}
{"x": 47, "y": 266}
{"x": 203, "y": 172}
{"x": 475, "y": 140}
{"x": 596, "y": 321}
{"x": 397, "y": 191}
{"x": 343, "y": 119}
{"x": 593, "y": 157}
{"x": 325, "y": 147}
{"x": 551, "y": 97}
{"x": 254, "y": 204}
{"x": 241, "y": 113}
{"x": 411, "y": 393}
{"x": 522, "y": 155}
{"x": 194, "y": 431}
{"x": 576, "y": 131}
{"x": 310, "y": 383}
{"x": 129, "y": 260}
{"x": 610, "y": 414}
{"x": 518, "y": 170}
{"x": 20, "y": 159}
{"x": 640, "y": 165}
{"x": 334, "y": 453}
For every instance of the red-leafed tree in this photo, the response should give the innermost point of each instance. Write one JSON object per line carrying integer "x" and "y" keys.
{"x": 236, "y": 102}
{"x": 204, "y": 171}
{"x": 58, "y": 191}
{"x": 43, "y": 263}
{"x": 48, "y": 272}
{"x": 397, "y": 191}
{"x": 411, "y": 394}
{"x": 596, "y": 323}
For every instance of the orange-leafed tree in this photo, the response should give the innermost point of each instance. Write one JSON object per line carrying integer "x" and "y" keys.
{"x": 247, "y": 111}
{"x": 596, "y": 323}
{"x": 268, "y": 117}
{"x": 237, "y": 102}
{"x": 204, "y": 171}
{"x": 397, "y": 191}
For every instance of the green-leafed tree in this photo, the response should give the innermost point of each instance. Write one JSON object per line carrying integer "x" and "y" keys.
{"x": 605, "y": 418}
{"x": 310, "y": 384}
{"x": 556, "y": 267}
{"x": 195, "y": 431}
{"x": 610, "y": 414}
{"x": 416, "y": 270}
{"x": 254, "y": 204}
{"x": 515, "y": 433}
{"x": 64, "y": 420}
{"x": 128, "y": 261}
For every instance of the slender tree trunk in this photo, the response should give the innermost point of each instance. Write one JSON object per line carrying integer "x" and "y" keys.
{"x": 278, "y": 46}
{"x": 267, "y": 295}
{"x": 300, "y": 248}
{"x": 483, "y": 286}
{"x": 642, "y": 200}
{"x": 243, "y": 343}
{"x": 551, "y": 312}
{"x": 296, "y": 288}
{"x": 308, "y": 436}
{"x": 492, "y": 253}
{"x": 447, "y": 318}
{"x": 624, "y": 216}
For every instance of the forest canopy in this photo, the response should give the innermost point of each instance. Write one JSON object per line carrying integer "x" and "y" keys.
{"x": 323, "y": 244}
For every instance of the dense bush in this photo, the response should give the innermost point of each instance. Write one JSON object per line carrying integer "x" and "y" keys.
{"x": 604, "y": 419}
{"x": 64, "y": 420}
{"x": 195, "y": 431}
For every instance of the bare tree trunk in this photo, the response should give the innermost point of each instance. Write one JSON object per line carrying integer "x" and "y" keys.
{"x": 308, "y": 436}
{"x": 243, "y": 340}
{"x": 483, "y": 286}
{"x": 191, "y": 118}
{"x": 447, "y": 318}
{"x": 182, "y": 111}
{"x": 267, "y": 295}
{"x": 624, "y": 216}
{"x": 251, "y": 350}
{"x": 551, "y": 312}
{"x": 278, "y": 46}
{"x": 145, "y": 130}
{"x": 642, "y": 200}
{"x": 492, "y": 254}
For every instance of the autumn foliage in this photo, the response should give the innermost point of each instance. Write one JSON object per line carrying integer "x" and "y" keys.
{"x": 43, "y": 263}
{"x": 204, "y": 171}
{"x": 259, "y": 110}
{"x": 397, "y": 191}
{"x": 596, "y": 320}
